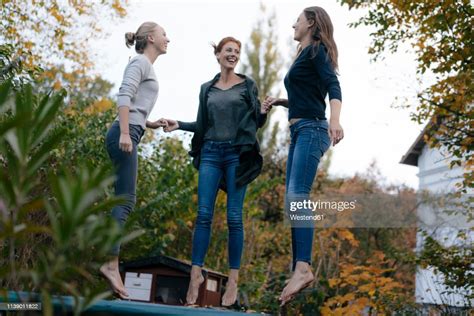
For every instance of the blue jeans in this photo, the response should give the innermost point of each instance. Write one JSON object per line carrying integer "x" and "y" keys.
{"x": 309, "y": 141}
{"x": 126, "y": 169}
{"x": 218, "y": 159}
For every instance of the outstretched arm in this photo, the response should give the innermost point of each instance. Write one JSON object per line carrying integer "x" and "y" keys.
{"x": 172, "y": 125}
{"x": 155, "y": 124}
{"x": 187, "y": 126}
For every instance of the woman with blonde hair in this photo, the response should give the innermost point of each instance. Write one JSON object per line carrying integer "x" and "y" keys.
{"x": 136, "y": 98}
{"x": 311, "y": 77}
{"x": 227, "y": 155}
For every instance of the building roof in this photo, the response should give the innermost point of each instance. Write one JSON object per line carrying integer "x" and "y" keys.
{"x": 411, "y": 156}
{"x": 174, "y": 263}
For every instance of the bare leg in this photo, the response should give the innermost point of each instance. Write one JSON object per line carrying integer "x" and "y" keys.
{"x": 110, "y": 270}
{"x": 194, "y": 284}
{"x": 230, "y": 295}
{"x": 301, "y": 278}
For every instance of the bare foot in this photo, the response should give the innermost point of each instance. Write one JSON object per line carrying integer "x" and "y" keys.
{"x": 111, "y": 272}
{"x": 230, "y": 295}
{"x": 302, "y": 278}
{"x": 194, "y": 284}
{"x": 231, "y": 290}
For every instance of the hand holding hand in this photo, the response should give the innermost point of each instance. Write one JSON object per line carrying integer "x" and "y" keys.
{"x": 169, "y": 125}
{"x": 268, "y": 104}
{"x": 156, "y": 124}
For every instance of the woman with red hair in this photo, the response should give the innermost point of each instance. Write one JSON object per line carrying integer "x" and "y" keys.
{"x": 226, "y": 153}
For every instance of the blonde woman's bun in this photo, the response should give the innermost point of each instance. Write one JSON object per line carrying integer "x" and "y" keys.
{"x": 130, "y": 39}
{"x": 140, "y": 38}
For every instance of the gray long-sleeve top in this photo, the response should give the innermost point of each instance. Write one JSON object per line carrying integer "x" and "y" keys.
{"x": 139, "y": 90}
{"x": 226, "y": 108}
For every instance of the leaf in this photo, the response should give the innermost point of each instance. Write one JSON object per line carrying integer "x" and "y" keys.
{"x": 5, "y": 88}
{"x": 44, "y": 152}
{"x": 46, "y": 115}
{"x": 17, "y": 121}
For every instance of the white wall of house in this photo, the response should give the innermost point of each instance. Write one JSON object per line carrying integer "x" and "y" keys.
{"x": 435, "y": 176}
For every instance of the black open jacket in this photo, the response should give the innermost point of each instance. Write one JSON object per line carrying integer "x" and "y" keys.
{"x": 250, "y": 160}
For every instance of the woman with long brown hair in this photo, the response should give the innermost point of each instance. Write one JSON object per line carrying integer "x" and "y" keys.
{"x": 311, "y": 78}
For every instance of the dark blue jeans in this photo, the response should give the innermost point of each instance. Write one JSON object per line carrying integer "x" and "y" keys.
{"x": 218, "y": 159}
{"x": 309, "y": 141}
{"x": 126, "y": 169}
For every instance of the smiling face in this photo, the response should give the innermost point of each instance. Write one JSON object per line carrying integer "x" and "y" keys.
{"x": 229, "y": 55}
{"x": 159, "y": 39}
{"x": 302, "y": 27}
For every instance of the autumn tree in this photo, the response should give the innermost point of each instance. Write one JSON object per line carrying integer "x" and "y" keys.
{"x": 440, "y": 33}
{"x": 12, "y": 68}
{"x": 263, "y": 60}
{"x": 46, "y": 33}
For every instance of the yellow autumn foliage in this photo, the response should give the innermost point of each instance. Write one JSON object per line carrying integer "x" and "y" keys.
{"x": 99, "y": 106}
{"x": 44, "y": 32}
{"x": 364, "y": 286}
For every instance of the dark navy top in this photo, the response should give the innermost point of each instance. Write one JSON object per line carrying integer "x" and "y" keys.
{"x": 308, "y": 82}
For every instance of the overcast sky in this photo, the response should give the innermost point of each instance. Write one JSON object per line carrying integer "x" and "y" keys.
{"x": 373, "y": 129}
